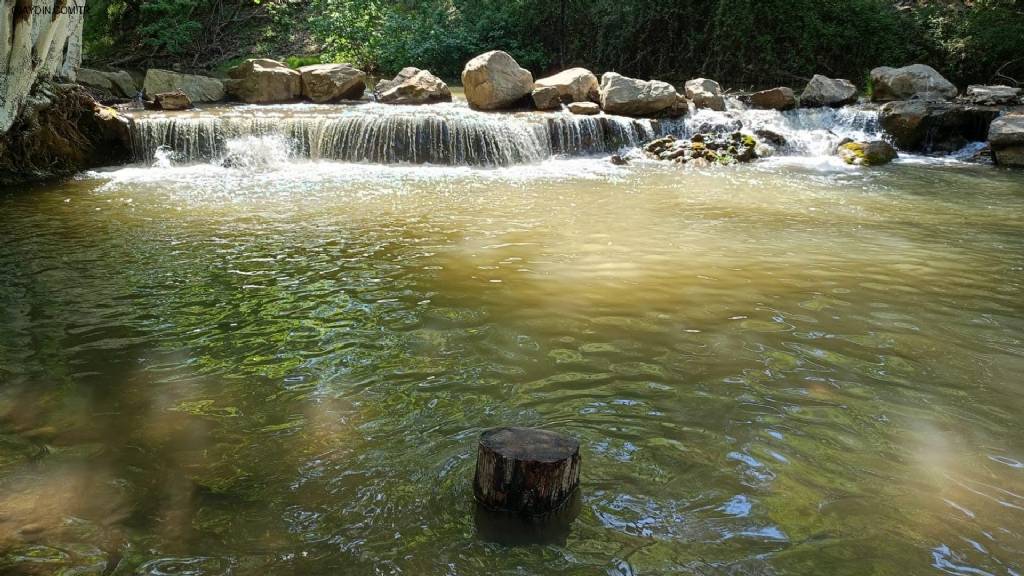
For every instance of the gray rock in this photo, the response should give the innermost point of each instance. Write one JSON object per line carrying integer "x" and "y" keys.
{"x": 494, "y": 80}
{"x": 889, "y": 84}
{"x": 774, "y": 99}
{"x": 831, "y": 92}
{"x": 177, "y": 100}
{"x": 118, "y": 84}
{"x": 198, "y": 88}
{"x": 992, "y": 95}
{"x": 1006, "y": 138}
{"x": 705, "y": 93}
{"x": 632, "y": 97}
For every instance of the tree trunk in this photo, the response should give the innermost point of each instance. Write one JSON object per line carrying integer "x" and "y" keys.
{"x": 39, "y": 39}
{"x": 526, "y": 470}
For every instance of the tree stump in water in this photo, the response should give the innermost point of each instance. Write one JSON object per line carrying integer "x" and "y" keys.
{"x": 526, "y": 470}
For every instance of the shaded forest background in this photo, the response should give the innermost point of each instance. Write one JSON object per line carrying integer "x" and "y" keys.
{"x": 755, "y": 43}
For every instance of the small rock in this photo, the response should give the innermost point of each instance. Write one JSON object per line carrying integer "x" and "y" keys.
{"x": 546, "y": 98}
{"x": 875, "y": 153}
{"x": 573, "y": 85}
{"x": 618, "y": 160}
{"x": 773, "y": 138}
{"x": 705, "y": 93}
{"x": 584, "y": 108}
{"x": 177, "y": 100}
{"x": 413, "y": 86}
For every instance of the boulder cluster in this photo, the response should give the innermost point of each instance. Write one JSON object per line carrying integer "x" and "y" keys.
{"x": 919, "y": 110}
{"x": 704, "y": 149}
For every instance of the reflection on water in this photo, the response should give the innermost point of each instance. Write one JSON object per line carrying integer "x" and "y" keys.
{"x": 773, "y": 369}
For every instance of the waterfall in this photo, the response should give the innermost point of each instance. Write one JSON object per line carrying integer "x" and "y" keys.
{"x": 378, "y": 133}
{"x": 453, "y": 134}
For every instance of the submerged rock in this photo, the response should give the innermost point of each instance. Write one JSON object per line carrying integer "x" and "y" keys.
{"x": 264, "y": 81}
{"x": 324, "y": 83}
{"x": 198, "y": 88}
{"x": 177, "y": 100}
{"x": 618, "y": 160}
{"x": 705, "y": 93}
{"x": 831, "y": 92}
{"x": 546, "y": 98}
{"x": 774, "y": 99}
{"x": 875, "y": 153}
{"x": 573, "y": 85}
{"x": 992, "y": 95}
{"x": 413, "y": 86}
{"x": 704, "y": 149}
{"x": 494, "y": 80}
{"x": 584, "y": 108}
{"x": 890, "y": 84}
{"x": 1006, "y": 138}
{"x": 771, "y": 137}
{"x": 930, "y": 126}
{"x": 632, "y": 97}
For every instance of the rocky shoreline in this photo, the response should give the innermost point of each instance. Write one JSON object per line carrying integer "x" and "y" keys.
{"x": 920, "y": 111}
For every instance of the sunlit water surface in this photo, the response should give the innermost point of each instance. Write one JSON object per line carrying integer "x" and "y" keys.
{"x": 783, "y": 368}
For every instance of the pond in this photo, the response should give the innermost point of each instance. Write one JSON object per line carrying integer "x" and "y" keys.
{"x": 787, "y": 367}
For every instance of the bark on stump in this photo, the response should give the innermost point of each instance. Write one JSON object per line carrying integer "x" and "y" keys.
{"x": 526, "y": 470}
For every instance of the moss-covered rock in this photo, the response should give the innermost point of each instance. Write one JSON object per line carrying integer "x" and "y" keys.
{"x": 704, "y": 149}
{"x": 875, "y": 153}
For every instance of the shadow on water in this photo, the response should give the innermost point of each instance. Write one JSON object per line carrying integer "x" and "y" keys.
{"x": 510, "y": 529}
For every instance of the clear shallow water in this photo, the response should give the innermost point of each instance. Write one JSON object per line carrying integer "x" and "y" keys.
{"x": 782, "y": 368}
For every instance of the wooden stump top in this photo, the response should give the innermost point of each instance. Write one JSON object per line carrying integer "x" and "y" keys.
{"x": 529, "y": 444}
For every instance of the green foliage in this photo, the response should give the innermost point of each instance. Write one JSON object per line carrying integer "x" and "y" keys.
{"x": 738, "y": 42}
{"x": 299, "y": 61}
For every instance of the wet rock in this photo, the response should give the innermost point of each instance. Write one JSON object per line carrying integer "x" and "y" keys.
{"x": 831, "y": 92}
{"x": 494, "y": 80}
{"x": 584, "y": 108}
{"x": 1006, "y": 138}
{"x": 546, "y": 98}
{"x": 992, "y": 95}
{"x": 573, "y": 85}
{"x": 618, "y": 160}
{"x": 413, "y": 86}
{"x": 323, "y": 83}
{"x": 774, "y": 99}
{"x": 198, "y": 88}
{"x": 875, "y": 153}
{"x": 264, "y": 81}
{"x": 705, "y": 93}
{"x": 929, "y": 126}
{"x": 632, "y": 97}
{"x": 704, "y": 149}
{"x": 116, "y": 84}
{"x": 773, "y": 138}
{"x": 889, "y": 84}
{"x": 177, "y": 100}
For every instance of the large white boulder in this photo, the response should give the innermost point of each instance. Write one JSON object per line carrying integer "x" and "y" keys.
{"x": 632, "y": 97}
{"x": 494, "y": 80}
{"x": 920, "y": 80}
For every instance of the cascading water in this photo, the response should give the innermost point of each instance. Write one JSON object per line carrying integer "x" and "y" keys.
{"x": 453, "y": 134}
